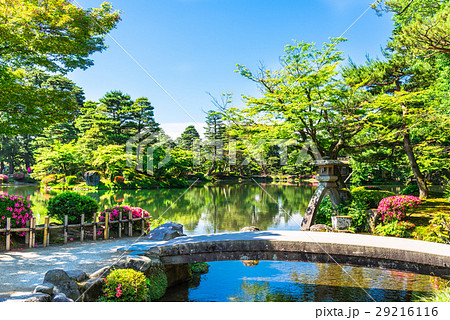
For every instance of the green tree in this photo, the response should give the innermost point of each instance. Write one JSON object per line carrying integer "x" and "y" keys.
{"x": 54, "y": 36}
{"x": 187, "y": 138}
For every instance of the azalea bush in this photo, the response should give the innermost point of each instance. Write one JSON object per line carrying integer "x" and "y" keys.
{"x": 17, "y": 208}
{"x": 49, "y": 180}
{"x": 115, "y": 211}
{"x": 19, "y": 176}
{"x": 119, "y": 180}
{"x": 125, "y": 285}
{"x": 397, "y": 207}
{"x": 4, "y": 178}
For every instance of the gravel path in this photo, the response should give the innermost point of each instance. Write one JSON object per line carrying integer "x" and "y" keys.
{"x": 21, "y": 271}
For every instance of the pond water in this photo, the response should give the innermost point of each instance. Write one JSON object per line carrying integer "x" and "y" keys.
{"x": 229, "y": 207}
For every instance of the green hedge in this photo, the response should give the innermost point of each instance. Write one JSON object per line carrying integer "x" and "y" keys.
{"x": 125, "y": 285}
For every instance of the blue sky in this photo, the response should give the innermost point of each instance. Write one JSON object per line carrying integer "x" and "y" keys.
{"x": 191, "y": 47}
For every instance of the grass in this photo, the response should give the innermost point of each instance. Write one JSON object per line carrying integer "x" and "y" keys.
{"x": 428, "y": 209}
{"x": 436, "y": 296}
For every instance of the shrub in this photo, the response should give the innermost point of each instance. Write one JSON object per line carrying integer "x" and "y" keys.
{"x": 71, "y": 180}
{"x": 436, "y": 296}
{"x": 437, "y": 231}
{"x": 401, "y": 229}
{"x": 199, "y": 267}
{"x": 49, "y": 180}
{"x": 4, "y": 178}
{"x": 156, "y": 284}
{"x": 19, "y": 176}
{"x": 411, "y": 190}
{"x": 73, "y": 205}
{"x": 115, "y": 211}
{"x": 370, "y": 197}
{"x": 325, "y": 212}
{"x": 125, "y": 285}
{"x": 396, "y": 207}
{"x": 119, "y": 180}
{"x": 16, "y": 208}
{"x": 359, "y": 216}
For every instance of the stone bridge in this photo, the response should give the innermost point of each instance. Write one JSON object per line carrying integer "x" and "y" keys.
{"x": 327, "y": 247}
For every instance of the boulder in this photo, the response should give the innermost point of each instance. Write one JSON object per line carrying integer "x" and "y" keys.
{"x": 93, "y": 289}
{"x": 166, "y": 232}
{"x": 250, "y": 263}
{"x": 77, "y": 275}
{"x": 145, "y": 264}
{"x": 39, "y": 297}
{"x": 46, "y": 288}
{"x": 61, "y": 297}
{"x": 62, "y": 283}
{"x": 249, "y": 228}
{"x": 320, "y": 228}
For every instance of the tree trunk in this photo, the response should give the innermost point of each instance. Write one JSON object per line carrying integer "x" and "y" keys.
{"x": 423, "y": 189}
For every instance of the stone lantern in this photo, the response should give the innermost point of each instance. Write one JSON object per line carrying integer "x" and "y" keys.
{"x": 327, "y": 185}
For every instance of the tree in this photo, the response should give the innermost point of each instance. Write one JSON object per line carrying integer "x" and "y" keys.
{"x": 140, "y": 115}
{"x": 215, "y": 132}
{"x": 116, "y": 104}
{"x": 187, "y": 138}
{"x": 54, "y": 36}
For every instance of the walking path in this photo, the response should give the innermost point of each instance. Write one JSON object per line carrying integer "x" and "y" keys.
{"x": 21, "y": 271}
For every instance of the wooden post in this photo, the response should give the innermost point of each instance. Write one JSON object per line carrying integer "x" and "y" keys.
{"x": 82, "y": 228}
{"x": 106, "y": 225}
{"x": 94, "y": 227}
{"x": 8, "y": 234}
{"x": 33, "y": 233}
{"x": 27, "y": 234}
{"x": 66, "y": 223}
{"x": 120, "y": 224}
{"x": 130, "y": 224}
{"x": 46, "y": 238}
{"x": 143, "y": 225}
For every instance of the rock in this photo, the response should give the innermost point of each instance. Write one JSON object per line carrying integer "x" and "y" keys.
{"x": 166, "y": 231}
{"x": 341, "y": 222}
{"x": 320, "y": 228}
{"x": 61, "y": 297}
{"x": 39, "y": 297}
{"x": 249, "y": 228}
{"x": 46, "y": 288}
{"x": 92, "y": 290}
{"x": 144, "y": 264}
{"x": 92, "y": 178}
{"x": 62, "y": 283}
{"x": 77, "y": 275}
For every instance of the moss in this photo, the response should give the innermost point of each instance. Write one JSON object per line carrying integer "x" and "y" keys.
{"x": 156, "y": 283}
{"x": 199, "y": 267}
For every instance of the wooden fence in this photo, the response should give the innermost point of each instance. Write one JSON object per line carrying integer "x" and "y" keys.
{"x": 31, "y": 229}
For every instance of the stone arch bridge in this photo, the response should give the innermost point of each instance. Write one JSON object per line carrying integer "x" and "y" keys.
{"x": 327, "y": 247}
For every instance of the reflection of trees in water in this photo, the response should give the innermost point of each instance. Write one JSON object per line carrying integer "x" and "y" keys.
{"x": 221, "y": 207}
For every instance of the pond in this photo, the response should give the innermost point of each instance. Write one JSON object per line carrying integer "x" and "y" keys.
{"x": 229, "y": 207}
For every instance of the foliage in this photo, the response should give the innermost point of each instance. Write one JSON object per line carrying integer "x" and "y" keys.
{"x": 49, "y": 180}
{"x": 437, "y": 296}
{"x": 438, "y": 229}
{"x": 156, "y": 283}
{"x": 19, "y": 176}
{"x": 411, "y": 190}
{"x": 402, "y": 229}
{"x": 16, "y": 208}
{"x": 199, "y": 267}
{"x": 369, "y": 196}
{"x": 397, "y": 207}
{"x": 55, "y": 36}
{"x": 73, "y": 205}
{"x": 4, "y": 178}
{"x": 114, "y": 214}
{"x": 359, "y": 214}
{"x": 325, "y": 212}
{"x": 187, "y": 138}
{"x": 125, "y": 285}
{"x": 71, "y": 180}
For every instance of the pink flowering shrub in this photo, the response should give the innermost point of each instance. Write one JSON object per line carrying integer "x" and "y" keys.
{"x": 115, "y": 211}
{"x": 4, "y": 178}
{"x": 395, "y": 208}
{"x": 19, "y": 176}
{"x": 16, "y": 208}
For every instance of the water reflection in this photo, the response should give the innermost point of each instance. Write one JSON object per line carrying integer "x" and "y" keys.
{"x": 301, "y": 281}
{"x": 203, "y": 209}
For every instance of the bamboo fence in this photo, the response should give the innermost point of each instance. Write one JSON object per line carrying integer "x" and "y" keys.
{"x": 31, "y": 229}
